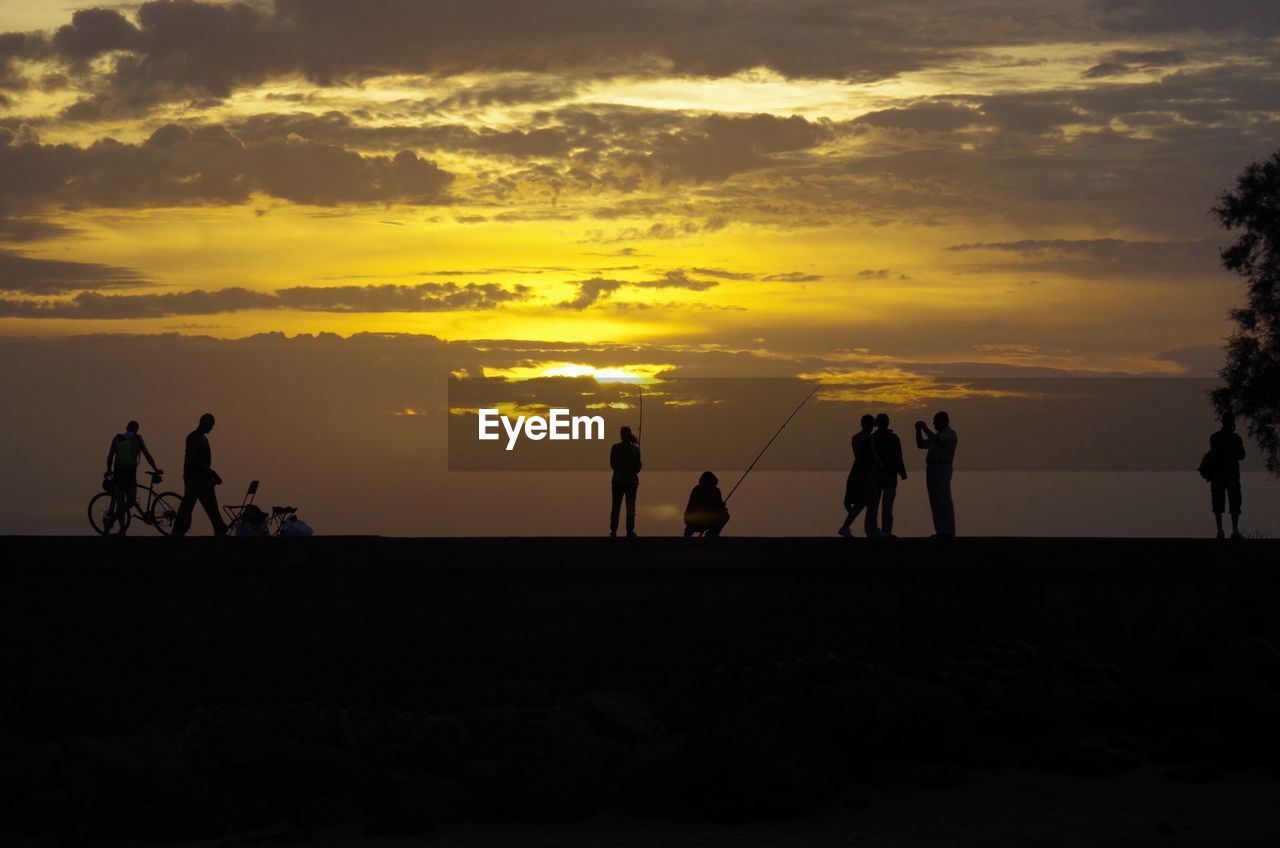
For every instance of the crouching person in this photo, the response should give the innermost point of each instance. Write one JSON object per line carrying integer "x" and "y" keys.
{"x": 706, "y": 512}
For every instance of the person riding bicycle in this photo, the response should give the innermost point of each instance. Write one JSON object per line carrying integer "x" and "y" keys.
{"x": 122, "y": 468}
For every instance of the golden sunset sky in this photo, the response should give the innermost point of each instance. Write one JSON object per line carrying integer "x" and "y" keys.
{"x": 980, "y": 181}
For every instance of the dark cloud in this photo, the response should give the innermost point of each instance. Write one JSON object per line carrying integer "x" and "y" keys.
{"x": 208, "y": 164}
{"x": 1126, "y": 61}
{"x": 30, "y": 275}
{"x": 596, "y": 289}
{"x": 724, "y": 274}
{"x": 1104, "y": 258}
{"x": 926, "y": 116}
{"x": 793, "y": 277}
{"x": 182, "y": 48}
{"x": 93, "y": 32}
{"x": 591, "y": 291}
{"x": 424, "y": 297}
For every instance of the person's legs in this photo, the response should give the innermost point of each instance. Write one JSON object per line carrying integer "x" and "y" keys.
{"x": 1234, "y": 496}
{"x": 888, "y": 494}
{"x": 718, "y": 523}
{"x": 1218, "y": 502}
{"x": 613, "y": 509}
{"x": 947, "y": 507}
{"x": 209, "y": 500}
{"x": 932, "y": 488}
{"x": 182, "y": 522}
{"x": 937, "y": 480}
{"x": 631, "y": 507}
{"x": 873, "y": 510}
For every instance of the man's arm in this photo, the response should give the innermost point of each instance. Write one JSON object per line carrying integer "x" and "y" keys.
{"x": 111, "y": 454}
{"x": 923, "y": 437}
{"x": 147, "y": 454}
{"x": 1239, "y": 447}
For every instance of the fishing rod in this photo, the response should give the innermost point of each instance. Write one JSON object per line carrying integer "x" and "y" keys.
{"x": 766, "y": 446}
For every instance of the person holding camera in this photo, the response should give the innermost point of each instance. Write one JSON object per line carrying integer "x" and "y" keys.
{"x": 940, "y": 444}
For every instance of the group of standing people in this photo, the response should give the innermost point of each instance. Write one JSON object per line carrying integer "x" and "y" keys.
{"x": 872, "y": 485}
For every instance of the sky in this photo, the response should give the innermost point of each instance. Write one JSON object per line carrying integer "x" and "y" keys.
{"x": 875, "y": 195}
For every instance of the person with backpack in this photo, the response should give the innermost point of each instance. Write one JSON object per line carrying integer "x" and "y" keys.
{"x": 1221, "y": 468}
{"x": 199, "y": 479}
{"x": 122, "y": 468}
{"x": 860, "y": 487}
{"x": 706, "y": 512}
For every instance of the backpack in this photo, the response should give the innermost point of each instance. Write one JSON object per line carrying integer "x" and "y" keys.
{"x": 126, "y": 453}
{"x": 1207, "y": 466}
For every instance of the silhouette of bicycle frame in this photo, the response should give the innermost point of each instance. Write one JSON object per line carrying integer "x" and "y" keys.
{"x": 159, "y": 512}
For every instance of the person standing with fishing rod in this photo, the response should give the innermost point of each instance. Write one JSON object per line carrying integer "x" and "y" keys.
{"x": 624, "y": 459}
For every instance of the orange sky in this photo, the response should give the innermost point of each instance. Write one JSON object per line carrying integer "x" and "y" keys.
{"x": 1011, "y": 182}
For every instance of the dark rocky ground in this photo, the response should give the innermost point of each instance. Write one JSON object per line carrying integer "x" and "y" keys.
{"x": 1168, "y": 735}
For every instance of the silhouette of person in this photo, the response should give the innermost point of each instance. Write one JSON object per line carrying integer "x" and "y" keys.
{"x": 706, "y": 512}
{"x": 199, "y": 480}
{"x": 1226, "y": 449}
{"x": 859, "y": 488}
{"x": 889, "y": 449}
{"x": 624, "y": 459}
{"x": 940, "y": 444}
{"x": 122, "y": 468}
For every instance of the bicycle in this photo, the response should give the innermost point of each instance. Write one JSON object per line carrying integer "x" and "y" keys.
{"x": 160, "y": 511}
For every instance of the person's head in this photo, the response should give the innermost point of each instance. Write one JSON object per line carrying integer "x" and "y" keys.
{"x": 627, "y": 435}
{"x": 868, "y": 423}
{"x": 131, "y": 427}
{"x": 206, "y": 422}
{"x": 708, "y": 479}
{"x": 882, "y": 421}
{"x": 1228, "y": 420}
{"x": 941, "y": 420}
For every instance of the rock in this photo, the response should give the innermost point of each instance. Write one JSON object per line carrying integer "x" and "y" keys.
{"x": 748, "y": 767}
{"x": 620, "y": 717}
{"x": 336, "y": 730}
{"x": 862, "y": 720}
{"x": 556, "y": 779}
{"x": 417, "y": 807}
{"x": 24, "y": 770}
{"x": 933, "y": 722}
{"x": 1086, "y": 758}
{"x": 1198, "y": 772}
{"x": 136, "y": 794}
{"x": 290, "y": 777}
{"x": 1252, "y": 656}
{"x": 1233, "y": 721}
{"x": 444, "y": 731}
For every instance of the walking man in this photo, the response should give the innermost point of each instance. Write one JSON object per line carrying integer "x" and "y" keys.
{"x": 940, "y": 444}
{"x": 624, "y": 459}
{"x": 1226, "y": 449}
{"x": 889, "y": 450}
{"x": 199, "y": 478}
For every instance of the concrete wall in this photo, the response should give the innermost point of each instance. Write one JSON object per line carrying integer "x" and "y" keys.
{"x": 104, "y": 631}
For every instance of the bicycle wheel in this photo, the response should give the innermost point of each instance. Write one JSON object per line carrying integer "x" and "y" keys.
{"x": 99, "y": 509}
{"x": 164, "y": 509}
